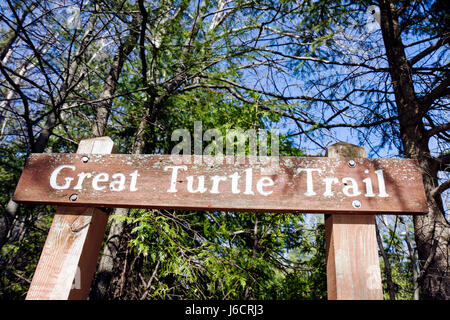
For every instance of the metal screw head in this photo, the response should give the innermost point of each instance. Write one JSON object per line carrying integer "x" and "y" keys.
{"x": 356, "y": 204}
{"x": 85, "y": 159}
{"x": 352, "y": 163}
{"x": 73, "y": 197}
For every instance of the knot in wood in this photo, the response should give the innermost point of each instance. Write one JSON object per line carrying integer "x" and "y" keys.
{"x": 78, "y": 224}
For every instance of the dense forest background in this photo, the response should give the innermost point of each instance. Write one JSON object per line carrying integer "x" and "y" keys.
{"x": 371, "y": 73}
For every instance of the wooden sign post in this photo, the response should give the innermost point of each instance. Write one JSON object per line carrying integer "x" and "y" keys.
{"x": 349, "y": 190}
{"x": 72, "y": 246}
{"x": 353, "y": 266}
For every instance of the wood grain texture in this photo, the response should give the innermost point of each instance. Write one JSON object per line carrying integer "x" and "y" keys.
{"x": 353, "y": 267}
{"x": 72, "y": 245}
{"x": 289, "y": 192}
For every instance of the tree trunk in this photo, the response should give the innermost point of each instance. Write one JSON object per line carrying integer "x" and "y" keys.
{"x": 413, "y": 257}
{"x": 104, "y": 108}
{"x": 101, "y": 288}
{"x": 432, "y": 231}
{"x": 387, "y": 264}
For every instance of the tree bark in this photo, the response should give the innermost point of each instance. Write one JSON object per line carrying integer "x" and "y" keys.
{"x": 387, "y": 264}
{"x": 104, "y": 107}
{"x": 105, "y": 271}
{"x": 413, "y": 257}
{"x": 101, "y": 288}
{"x": 432, "y": 231}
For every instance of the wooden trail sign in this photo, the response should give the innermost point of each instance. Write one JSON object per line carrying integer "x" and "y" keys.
{"x": 346, "y": 186}
{"x": 285, "y": 184}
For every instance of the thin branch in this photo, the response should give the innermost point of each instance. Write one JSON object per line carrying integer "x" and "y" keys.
{"x": 436, "y": 192}
{"x": 441, "y": 90}
{"x": 428, "y": 50}
{"x": 438, "y": 129}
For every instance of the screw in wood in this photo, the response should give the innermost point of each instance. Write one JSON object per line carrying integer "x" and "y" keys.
{"x": 352, "y": 163}
{"x": 85, "y": 159}
{"x": 73, "y": 197}
{"x": 356, "y": 204}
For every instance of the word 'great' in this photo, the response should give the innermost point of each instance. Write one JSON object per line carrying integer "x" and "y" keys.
{"x": 237, "y": 183}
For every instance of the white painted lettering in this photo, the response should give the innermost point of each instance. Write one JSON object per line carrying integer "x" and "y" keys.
{"x": 201, "y": 184}
{"x": 264, "y": 182}
{"x": 369, "y": 189}
{"x": 309, "y": 181}
{"x": 328, "y": 182}
{"x": 173, "y": 179}
{"x": 248, "y": 181}
{"x": 216, "y": 180}
{"x": 81, "y": 177}
{"x": 350, "y": 184}
{"x": 133, "y": 182}
{"x": 55, "y": 174}
{"x": 101, "y": 177}
{"x": 234, "y": 183}
{"x": 117, "y": 185}
{"x": 381, "y": 185}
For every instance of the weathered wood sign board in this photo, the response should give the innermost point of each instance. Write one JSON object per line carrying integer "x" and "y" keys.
{"x": 291, "y": 184}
